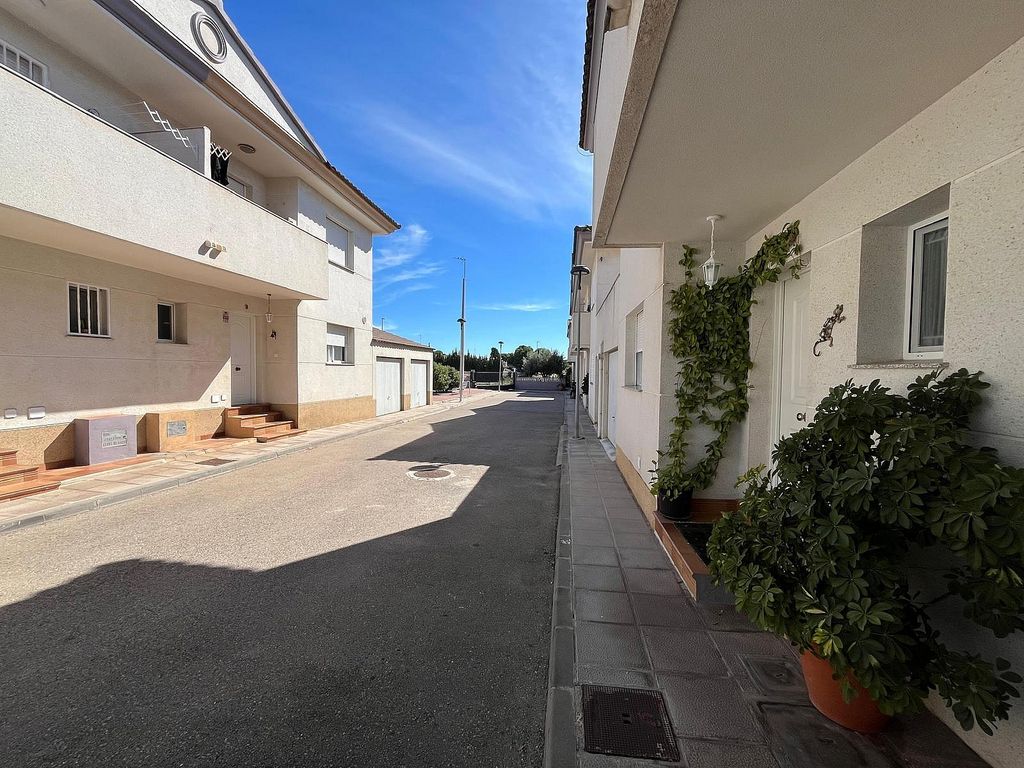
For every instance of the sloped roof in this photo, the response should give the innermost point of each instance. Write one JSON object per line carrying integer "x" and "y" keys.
{"x": 383, "y": 338}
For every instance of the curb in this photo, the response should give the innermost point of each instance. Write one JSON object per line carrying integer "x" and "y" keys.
{"x": 560, "y": 719}
{"x": 87, "y": 505}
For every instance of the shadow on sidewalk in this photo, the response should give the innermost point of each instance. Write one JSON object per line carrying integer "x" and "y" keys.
{"x": 427, "y": 646}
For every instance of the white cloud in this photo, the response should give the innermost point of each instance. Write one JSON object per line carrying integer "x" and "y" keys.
{"x": 526, "y": 306}
{"x": 407, "y": 275}
{"x": 400, "y": 248}
{"x": 391, "y": 296}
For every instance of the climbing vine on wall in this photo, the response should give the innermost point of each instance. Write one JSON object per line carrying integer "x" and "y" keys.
{"x": 709, "y": 336}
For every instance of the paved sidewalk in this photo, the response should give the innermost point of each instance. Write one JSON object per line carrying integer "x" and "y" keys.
{"x": 169, "y": 470}
{"x": 735, "y": 695}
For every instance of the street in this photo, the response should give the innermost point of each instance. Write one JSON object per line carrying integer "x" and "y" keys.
{"x": 322, "y": 609}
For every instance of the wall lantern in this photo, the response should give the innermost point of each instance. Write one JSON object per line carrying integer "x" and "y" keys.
{"x": 269, "y": 315}
{"x": 711, "y": 267}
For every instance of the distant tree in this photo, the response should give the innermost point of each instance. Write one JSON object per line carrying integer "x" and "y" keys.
{"x": 538, "y": 362}
{"x": 518, "y": 358}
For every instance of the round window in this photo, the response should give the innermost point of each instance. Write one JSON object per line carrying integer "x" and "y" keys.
{"x": 209, "y": 37}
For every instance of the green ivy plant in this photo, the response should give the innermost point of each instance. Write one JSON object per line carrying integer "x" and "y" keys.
{"x": 822, "y": 548}
{"x": 709, "y": 336}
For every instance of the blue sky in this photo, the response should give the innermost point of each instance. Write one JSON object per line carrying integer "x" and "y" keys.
{"x": 461, "y": 119}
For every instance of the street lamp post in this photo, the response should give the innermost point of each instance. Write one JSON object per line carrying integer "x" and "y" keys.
{"x": 462, "y": 331}
{"x": 577, "y": 272}
{"x": 501, "y": 364}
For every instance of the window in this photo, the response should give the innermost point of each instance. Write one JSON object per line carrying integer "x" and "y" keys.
{"x": 638, "y": 355}
{"x": 339, "y": 245}
{"x": 239, "y": 186}
{"x": 339, "y": 348}
{"x": 14, "y": 59}
{"x": 926, "y": 283}
{"x": 635, "y": 348}
{"x": 164, "y": 322}
{"x": 88, "y": 310}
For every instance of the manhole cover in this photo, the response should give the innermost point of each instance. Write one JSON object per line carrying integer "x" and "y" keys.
{"x": 215, "y": 462}
{"x": 631, "y": 722}
{"x": 429, "y": 472}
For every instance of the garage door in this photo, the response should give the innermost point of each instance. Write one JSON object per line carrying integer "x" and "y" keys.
{"x": 388, "y": 385}
{"x": 420, "y": 376}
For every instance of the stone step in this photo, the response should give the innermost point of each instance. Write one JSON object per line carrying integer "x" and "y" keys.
{"x": 30, "y": 488}
{"x": 270, "y": 436}
{"x": 250, "y": 408}
{"x": 17, "y": 473}
{"x": 8, "y": 456}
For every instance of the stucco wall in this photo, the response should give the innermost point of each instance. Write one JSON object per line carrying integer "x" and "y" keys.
{"x": 614, "y": 71}
{"x": 971, "y": 140}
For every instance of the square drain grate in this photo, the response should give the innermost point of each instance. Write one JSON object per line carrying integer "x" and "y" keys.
{"x": 630, "y": 722}
{"x": 215, "y": 462}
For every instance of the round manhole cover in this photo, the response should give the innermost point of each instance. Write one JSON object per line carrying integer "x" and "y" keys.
{"x": 429, "y": 472}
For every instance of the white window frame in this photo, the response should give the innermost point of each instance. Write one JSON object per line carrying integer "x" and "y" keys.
{"x": 174, "y": 328}
{"x": 246, "y": 187}
{"x": 30, "y": 59}
{"x": 350, "y": 260}
{"x": 101, "y": 294}
{"x": 915, "y": 233}
{"x": 348, "y": 356}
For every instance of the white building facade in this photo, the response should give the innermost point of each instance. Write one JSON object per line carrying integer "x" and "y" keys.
{"x": 138, "y": 275}
{"x": 897, "y": 141}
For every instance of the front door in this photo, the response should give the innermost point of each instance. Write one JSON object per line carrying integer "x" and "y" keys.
{"x": 795, "y": 369}
{"x": 420, "y": 371}
{"x": 242, "y": 378}
{"x": 388, "y": 385}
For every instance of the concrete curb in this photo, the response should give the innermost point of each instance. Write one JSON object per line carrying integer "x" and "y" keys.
{"x": 87, "y": 505}
{"x": 560, "y": 720}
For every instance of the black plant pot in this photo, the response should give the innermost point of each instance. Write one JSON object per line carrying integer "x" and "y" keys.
{"x": 677, "y": 509}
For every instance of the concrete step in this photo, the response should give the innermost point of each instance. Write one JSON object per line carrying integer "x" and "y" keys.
{"x": 252, "y": 419}
{"x": 269, "y": 436}
{"x": 8, "y": 456}
{"x": 234, "y": 428}
{"x": 30, "y": 488}
{"x": 17, "y": 473}
{"x": 250, "y": 408}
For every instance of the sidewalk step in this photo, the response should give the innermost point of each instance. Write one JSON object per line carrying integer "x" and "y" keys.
{"x": 8, "y": 456}
{"x": 234, "y": 424}
{"x": 17, "y": 473}
{"x": 269, "y": 437}
{"x": 249, "y": 409}
{"x": 21, "y": 490}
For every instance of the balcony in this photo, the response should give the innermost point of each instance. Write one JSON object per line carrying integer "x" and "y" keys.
{"x": 75, "y": 182}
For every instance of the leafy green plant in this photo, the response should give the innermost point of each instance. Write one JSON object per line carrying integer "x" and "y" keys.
{"x": 445, "y": 377}
{"x": 709, "y": 336}
{"x": 822, "y": 548}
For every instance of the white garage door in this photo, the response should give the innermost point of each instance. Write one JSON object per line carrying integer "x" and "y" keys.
{"x": 420, "y": 375}
{"x": 388, "y": 381}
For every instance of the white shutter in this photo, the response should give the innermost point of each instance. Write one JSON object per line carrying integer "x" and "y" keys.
{"x": 639, "y": 340}
{"x": 339, "y": 245}
{"x": 338, "y": 350}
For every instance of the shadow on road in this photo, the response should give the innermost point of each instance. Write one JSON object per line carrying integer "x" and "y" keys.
{"x": 426, "y": 647}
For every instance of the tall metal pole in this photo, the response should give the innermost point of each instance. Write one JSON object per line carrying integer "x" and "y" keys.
{"x": 462, "y": 331}
{"x": 501, "y": 364}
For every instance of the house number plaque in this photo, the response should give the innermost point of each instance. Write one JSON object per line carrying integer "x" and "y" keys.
{"x": 113, "y": 438}
{"x": 177, "y": 428}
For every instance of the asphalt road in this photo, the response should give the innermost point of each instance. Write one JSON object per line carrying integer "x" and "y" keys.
{"x": 323, "y": 609}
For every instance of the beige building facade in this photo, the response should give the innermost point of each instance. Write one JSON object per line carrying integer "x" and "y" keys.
{"x": 898, "y": 143}
{"x": 140, "y": 276}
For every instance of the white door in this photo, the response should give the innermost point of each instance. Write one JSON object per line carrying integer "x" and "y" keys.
{"x": 420, "y": 374}
{"x": 613, "y": 393}
{"x": 388, "y": 385}
{"x": 242, "y": 378}
{"x": 795, "y": 370}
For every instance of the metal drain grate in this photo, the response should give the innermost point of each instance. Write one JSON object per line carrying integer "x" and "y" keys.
{"x": 630, "y": 722}
{"x": 215, "y": 462}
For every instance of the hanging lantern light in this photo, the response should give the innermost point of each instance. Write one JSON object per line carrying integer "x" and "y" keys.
{"x": 269, "y": 315}
{"x": 711, "y": 267}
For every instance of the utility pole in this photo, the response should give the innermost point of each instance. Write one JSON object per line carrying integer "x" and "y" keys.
{"x": 501, "y": 364}
{"x": 462, "y": 330}
{"x": 382, "y": 322}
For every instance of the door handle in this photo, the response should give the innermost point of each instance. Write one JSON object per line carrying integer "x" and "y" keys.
{"x": 799, "y": 416}
{"x": 237, "y": 368}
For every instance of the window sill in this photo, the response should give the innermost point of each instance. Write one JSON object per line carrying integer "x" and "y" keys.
{"x": 170, "y": 343}
{"x": 633, "y": 387}
{"x": 901, "y": 364}
{"x": 89, "y": 335}
{"x": 350, "y": 270}
{"x": 340, "y": 365}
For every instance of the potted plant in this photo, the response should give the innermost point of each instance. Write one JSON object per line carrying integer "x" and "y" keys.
{"x": 827, "y": 550}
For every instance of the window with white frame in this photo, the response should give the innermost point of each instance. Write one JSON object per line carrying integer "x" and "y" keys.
{"x": 339, "y": 344}
{"x": 239, "y": 186}
{"x": 164, "y": 321}
{"x": 14, "y": 59}
{"x": 926, "y": 287}
{"x": 635, "y": 348}
{"x": 339, "y": 245}
{"x": 88, "y": 310}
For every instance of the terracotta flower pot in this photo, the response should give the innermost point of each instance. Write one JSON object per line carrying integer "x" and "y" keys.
{"x": 860, "y": 714}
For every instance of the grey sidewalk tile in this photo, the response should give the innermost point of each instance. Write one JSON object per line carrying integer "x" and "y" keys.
{"x": 733, "y": 645}
{"x": 628, "y": 525}
{"x": 666, "y": 611}
{"x": 626, "y": 678}
{"x": 681, "y": 650}
{"x": 609, "y": 645}
{"x": 593, "y": 538}
{"x": 926, "y": 743}
{"x": 590, "y": 524}
{"x": 585, "y": 555}
{"x": 710, "y": 708}
{"x": 804, "y": 738}
{"x": 652, "y": 582}
{"x": 718, "y": 754}
{"x": 644, "y": 558}
{"x": 725, "y": 618}
{"x": 598, "y": 577}
{"x": 579, "y": 511}
{"x": 603, "y": 606}
{"x": 588, "y": 760}
{"x": 637, "y": 540}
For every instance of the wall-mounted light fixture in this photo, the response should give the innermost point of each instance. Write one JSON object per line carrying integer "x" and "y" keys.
{"x": 247, "y": 148}
{"x": 711, "y": 267}
{"x": 269, "y": 315}
{"x": 215, "y": 249}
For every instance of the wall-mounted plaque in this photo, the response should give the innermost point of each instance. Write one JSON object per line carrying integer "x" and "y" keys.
{"x": 177, "y": 428}
{"x": 113, "y": 438}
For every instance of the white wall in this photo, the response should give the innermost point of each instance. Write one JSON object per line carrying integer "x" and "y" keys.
{"x": 615, "y": 59}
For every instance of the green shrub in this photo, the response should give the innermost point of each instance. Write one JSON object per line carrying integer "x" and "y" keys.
{"x": 445, "y": 377}
{"x": 820, "y": 550}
